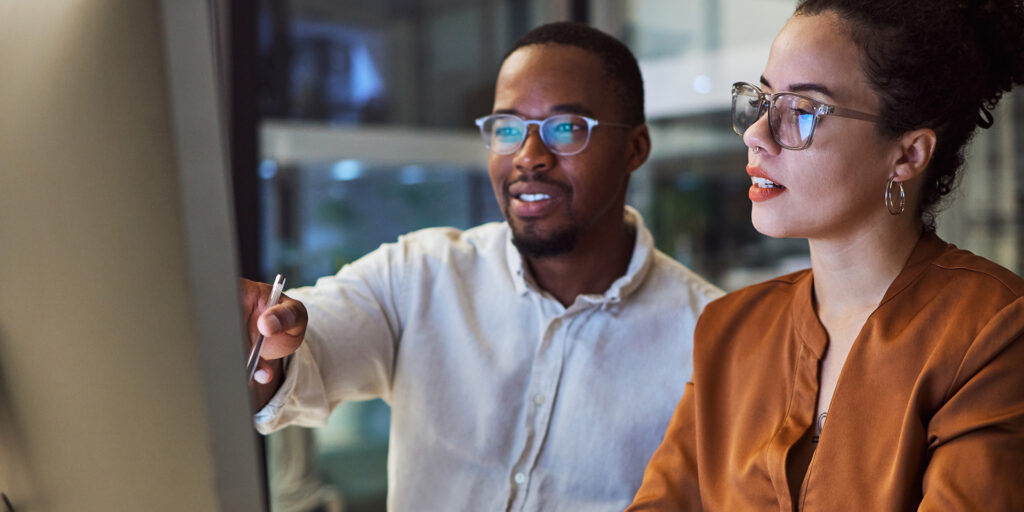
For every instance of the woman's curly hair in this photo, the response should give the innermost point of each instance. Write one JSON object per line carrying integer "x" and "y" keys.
{"x": 939, "y": 64}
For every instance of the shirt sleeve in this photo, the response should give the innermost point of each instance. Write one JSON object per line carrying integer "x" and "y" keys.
{"x": 350, "y": 345}
{"x": 670, "y": 480}
{"x": 976, "y": 439}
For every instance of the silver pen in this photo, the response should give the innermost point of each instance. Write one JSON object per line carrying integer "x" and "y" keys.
{"x": 254, "y": 356}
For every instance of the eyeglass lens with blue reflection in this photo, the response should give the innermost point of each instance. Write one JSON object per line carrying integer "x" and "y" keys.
{"x": 792, "y": 117}
{"x": 563, "y": 134}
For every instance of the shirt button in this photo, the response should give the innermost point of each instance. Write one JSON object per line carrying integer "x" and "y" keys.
{"x": 520, "y": 478}
{"x": 538, "y": 399}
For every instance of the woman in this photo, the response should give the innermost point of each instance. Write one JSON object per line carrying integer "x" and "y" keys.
{"x": 889, "y": 376}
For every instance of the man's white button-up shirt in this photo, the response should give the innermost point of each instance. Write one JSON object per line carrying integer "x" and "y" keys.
{"x": 501, "y": 398}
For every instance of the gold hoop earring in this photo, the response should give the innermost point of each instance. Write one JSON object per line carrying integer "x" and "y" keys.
{"x": 895, "y": 208}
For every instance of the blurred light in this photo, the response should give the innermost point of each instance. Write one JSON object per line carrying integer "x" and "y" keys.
{"x": 268, "y": 169}
{"x": 346, "y": 170}
{"x": 366, "y": 81}
{"x": 412, "y": 175}
{"x": 702, "y": 84}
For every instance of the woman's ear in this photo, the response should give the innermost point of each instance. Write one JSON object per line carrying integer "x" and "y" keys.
{"x": 639, "y": 146}
{"x": 914, "y": 152}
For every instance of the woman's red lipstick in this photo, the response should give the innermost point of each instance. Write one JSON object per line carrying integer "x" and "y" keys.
{"x": 762, "y": 187}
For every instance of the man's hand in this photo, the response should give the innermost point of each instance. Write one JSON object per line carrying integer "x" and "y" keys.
{"x": 283, "y": 327}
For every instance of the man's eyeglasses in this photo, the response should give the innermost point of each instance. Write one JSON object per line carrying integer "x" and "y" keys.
{"x": 792, "y": 117}
{"x": 563, "y": 134}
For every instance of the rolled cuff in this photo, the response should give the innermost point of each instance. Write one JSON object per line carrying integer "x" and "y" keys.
{"x": 308, "y": 408}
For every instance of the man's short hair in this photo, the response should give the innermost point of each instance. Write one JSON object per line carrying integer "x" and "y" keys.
{"x": 619, "y": 63}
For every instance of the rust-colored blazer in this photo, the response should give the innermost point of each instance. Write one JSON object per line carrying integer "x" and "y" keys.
{"x": 928, "y": 413}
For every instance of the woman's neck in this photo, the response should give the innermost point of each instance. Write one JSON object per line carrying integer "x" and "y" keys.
{"x": 852, "y": 273}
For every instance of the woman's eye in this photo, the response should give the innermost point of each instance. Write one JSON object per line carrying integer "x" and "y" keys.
{"x": 804, "y": 107}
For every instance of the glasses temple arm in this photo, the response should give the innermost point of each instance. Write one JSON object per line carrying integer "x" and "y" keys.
{"x": 853, "y": 114}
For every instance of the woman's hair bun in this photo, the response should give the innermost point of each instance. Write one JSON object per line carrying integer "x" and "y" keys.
{"x": 999, "y": 31}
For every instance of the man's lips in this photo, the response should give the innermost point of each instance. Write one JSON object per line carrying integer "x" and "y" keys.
{"x": 534, "y": 187}
{"x": 535, "y": 198}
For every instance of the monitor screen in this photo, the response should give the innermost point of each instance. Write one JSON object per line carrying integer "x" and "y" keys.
{"x": 122, "y": 379}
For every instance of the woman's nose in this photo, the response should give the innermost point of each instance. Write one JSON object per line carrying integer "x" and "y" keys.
{"x": 758, "y": 137}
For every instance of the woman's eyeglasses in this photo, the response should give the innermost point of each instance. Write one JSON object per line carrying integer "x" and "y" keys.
{"x": 792, "y": 117}
{"x": 563, "y": 134}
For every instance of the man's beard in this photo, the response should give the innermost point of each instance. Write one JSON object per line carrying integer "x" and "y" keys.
{"x": 531, "y": 245}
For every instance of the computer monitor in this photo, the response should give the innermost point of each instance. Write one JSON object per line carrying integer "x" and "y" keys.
{"x": 122, "y": 379}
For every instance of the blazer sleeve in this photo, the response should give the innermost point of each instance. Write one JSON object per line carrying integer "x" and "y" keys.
{"x": 976, "y": 439}
{"x": 670, "y": 480}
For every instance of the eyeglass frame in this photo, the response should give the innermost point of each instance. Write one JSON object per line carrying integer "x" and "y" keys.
{"x": 591, "y": 123}
{"x": 821, "y": 110}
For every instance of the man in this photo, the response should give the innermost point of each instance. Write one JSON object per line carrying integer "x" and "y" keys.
{"x": 532, "y": 364}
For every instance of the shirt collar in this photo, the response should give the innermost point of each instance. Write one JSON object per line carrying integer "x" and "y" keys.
{"x": 805, "y": 319}
{"x": 639, "y": 264}
{"x": 928, "y": 248}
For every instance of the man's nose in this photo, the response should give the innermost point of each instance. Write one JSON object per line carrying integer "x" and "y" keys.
{"x": 534, "y": 156}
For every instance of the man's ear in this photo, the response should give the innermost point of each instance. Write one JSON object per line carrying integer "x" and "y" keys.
{"x": 914, "y": 152}
{"x": 639, "y": 146}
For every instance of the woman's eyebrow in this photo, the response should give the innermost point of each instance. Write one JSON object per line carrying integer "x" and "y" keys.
{"x": 810, "y": 86}
{"x": 803, "y": 87}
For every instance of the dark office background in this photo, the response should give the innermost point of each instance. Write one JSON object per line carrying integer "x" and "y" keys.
{"x": 318, "y": 73}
